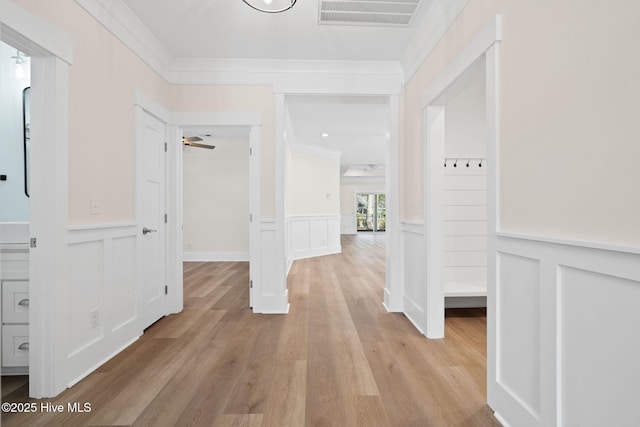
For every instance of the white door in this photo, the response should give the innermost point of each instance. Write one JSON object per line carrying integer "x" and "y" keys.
{"x": 151, "y": 211}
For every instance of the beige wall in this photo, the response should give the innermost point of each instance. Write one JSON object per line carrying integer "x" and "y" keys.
{"x": 239, "y": 99}
{"x": 103, "y": 78}
{"x": 569, "y": 116}
{"x": 465, "y": 126}
{"x": 216, "y": 197}
{"x": 312, "y": 178}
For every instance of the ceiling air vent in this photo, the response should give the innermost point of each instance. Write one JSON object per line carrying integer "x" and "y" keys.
{"x": 367, "y": 12}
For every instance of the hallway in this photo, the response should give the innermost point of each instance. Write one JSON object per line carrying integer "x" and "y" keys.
{"x": 338, "y": 358}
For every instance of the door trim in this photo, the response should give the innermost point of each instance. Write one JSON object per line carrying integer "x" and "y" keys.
{"x": 253, "y": 122}
{"x": 51, "y": 50}
{"x": 484, "y": 45}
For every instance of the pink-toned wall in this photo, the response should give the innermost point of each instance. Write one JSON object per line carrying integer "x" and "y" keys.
{"x": 238, "y": 99}
{"x": 103, "y": 79}
{"x": 569, "y": 109}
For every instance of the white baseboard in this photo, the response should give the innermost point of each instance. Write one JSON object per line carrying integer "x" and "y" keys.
{"x": 310, "y": 253}
{"x": 465, "y": 302}
{"x": 215, "y": 256}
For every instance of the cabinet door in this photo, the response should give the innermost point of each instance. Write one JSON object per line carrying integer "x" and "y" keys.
{"x": 15, "y": 345}
{"x": 15, "y": 301}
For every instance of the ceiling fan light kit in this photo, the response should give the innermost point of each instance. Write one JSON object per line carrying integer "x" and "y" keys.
{"x": 270, "y": 6}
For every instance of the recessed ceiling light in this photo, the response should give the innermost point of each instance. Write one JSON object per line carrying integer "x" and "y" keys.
{"x": 325, "y": 135}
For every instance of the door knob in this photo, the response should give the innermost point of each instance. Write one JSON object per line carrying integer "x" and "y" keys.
{"x": 146, "y": 230}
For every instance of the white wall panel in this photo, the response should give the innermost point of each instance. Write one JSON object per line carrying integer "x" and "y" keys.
{"x": 415, "y": 286}
{"x": 269, "y": 296}
{"x": 318, "y": 233}
{"x": 311, "y": 236}
{"x": 102, "y": 279}
{"x": 566, "y": 333}
{"x": 124, "y": 289}
{"x": 348, "y": 223}
{"x": 518, "y": 317}
{"x": 86, "y": 286}
{"x": 465, "y": 228}
{"x": 599, "y": 334}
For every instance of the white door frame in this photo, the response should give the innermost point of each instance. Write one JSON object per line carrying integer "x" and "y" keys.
{"x": 484, "y": 45}
{"x": 173, "y": 299}
{"x": 394, "y": 277}
{"x": 253, "y": 122}
{"x": 52, "y": 53}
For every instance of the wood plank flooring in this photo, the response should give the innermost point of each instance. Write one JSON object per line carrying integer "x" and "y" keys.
{"x": 337, "y": 359}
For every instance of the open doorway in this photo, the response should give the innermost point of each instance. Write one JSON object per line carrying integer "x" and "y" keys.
{"x": 218, "y": 196}
{"x": 15, "y": 82}
{"x": 215, "y": 195}
{"x": 364, "y": 130}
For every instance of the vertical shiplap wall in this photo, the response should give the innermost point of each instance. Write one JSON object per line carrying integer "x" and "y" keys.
{"x": 465, "y": 228}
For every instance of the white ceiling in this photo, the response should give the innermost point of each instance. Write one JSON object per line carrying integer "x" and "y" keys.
{"x": 357, "y": 126}
{"x": 230, "y": 30}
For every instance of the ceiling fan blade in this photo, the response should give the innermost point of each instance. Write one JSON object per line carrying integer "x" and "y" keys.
{"x": 195, "y": 144}
{"x": 191, "y": 139}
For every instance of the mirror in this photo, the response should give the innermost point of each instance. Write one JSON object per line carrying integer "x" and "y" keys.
{"x": 26, "y": 131}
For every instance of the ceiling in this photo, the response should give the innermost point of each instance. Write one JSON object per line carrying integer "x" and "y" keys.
{"x": 356, "y": 126}
{"x": 230, "y": 30}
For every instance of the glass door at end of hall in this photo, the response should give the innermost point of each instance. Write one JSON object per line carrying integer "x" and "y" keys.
{"x": 371, "y": 212}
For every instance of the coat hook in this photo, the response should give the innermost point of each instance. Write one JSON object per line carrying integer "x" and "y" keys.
{"x": 455, "y": 164}
{"x": 468, "y": 160}
{"x": 445, "y": 163}
{"x": 480, "y": 164}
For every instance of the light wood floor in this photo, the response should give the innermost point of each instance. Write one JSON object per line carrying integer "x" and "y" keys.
{"x": 337, "y": 359}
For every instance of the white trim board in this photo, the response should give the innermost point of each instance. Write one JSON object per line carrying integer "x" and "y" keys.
{"x": 383, "y": 77}
{"x": 483, "y": 47}
{"x": 214, "y": 256}
{"x": 51, "y": 50}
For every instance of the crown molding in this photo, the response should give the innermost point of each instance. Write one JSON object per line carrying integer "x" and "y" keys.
{"x": 440, "y": 16}
{"x": 287, "y": 76}
{"x": 127, "y": 27}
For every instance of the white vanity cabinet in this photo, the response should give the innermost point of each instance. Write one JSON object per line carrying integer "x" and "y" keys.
{"x": 14, "y": 283}
{"x": 15, "y": 326}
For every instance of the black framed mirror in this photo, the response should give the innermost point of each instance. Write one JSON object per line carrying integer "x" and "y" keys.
{"x": 26, "y": 134}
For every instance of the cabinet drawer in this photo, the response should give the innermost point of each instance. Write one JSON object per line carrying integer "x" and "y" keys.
{"x": 15, "y": 345}
{"x": 15, "y": 301}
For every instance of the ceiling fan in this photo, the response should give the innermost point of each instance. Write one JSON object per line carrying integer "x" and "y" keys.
{"x": 192, "y": 141}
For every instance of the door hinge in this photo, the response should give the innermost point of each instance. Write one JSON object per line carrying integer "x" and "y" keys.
{"x": 251, "y": 284}
{"x": 165, "y": 218}
{"x": 166, "y": 290}
{"x": 250, "y": 217}
{"x": 34, "y": 242}
{"x": 165, "y": 147}
{"x": 250, "y": 151}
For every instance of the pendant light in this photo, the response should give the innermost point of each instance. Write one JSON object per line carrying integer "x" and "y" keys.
{"x": 270, "y": 6}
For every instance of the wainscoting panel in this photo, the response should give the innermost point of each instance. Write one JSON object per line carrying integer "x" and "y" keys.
{"x": 415, "y": 286}
{"x": 348, "y": 223}
{"x": 101, "y": 296}
{"x": 518, "y": 304}
{"x": 567, "y": 346}
{"x": 599, "y": 330}
{"x": 311, "y": 236}
{"x": 270, "y": 294}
